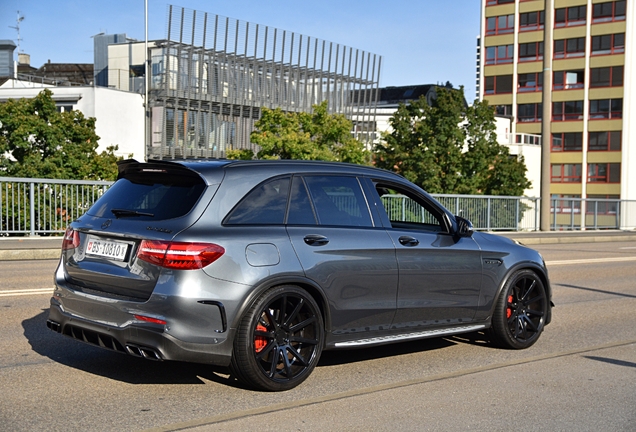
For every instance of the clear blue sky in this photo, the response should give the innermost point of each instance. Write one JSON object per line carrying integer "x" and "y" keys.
{"x": 420, "y": 41}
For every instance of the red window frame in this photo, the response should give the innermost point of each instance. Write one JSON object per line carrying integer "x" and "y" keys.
{"x": 538, "y": 23}
{"x": 560, "y": 80}
{"x": 559, "y": 142}
{"x": 567, "y": 111}
{"x": 599, "y": 15}
{"x": 604, "y": 173}
{"x": 509, "y": 25}
{"x": 531, "y": 85}
{"x": 508, "y": 52}
{"x": 571, "y": 16}
{"x": 614, "y": 73}
{"x": 538, "y": 52}
{"x": 559, "y": 175}
{"x": 493, "y": 84}
{"x": 609, "y": 141}
{"x": 568, "y": 49}
{"x": 537, "y": 113}
{"x": 614, "y": 109}
{"x": 616, "y": 44}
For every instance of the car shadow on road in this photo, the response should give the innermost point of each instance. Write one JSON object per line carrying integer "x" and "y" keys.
{"x": 132, "y": 370}
{"x": 116, "y": 366}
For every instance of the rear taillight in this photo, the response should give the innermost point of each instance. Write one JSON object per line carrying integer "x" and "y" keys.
{"x": 179, "y": 255}
{"x": 71, "y": 239}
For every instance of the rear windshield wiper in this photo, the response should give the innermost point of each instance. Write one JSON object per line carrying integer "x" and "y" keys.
{"x": 125, "y": 213}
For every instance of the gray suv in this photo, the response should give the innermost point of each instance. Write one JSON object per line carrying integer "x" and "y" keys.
{"x": 260, "y": 265}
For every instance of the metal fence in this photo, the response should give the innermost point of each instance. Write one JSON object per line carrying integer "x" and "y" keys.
{"x": 44, "y": 207}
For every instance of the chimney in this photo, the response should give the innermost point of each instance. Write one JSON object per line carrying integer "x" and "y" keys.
{"x": 24, "y": 59}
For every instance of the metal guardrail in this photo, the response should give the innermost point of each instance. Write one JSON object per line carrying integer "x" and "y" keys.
{"x": 44, "y": 206}
{"x": 47, "y": 206}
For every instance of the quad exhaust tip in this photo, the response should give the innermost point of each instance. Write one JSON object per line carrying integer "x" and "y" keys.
{"x": 145, "y": 352}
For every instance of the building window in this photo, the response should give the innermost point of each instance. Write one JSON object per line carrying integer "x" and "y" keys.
{"x": 606, "y": 76}
{"x": 606, "y": 109}
{"x": 608, "y": 44}
{"x": 568, "y": 110}
{"x": 604, "y": 141}
{"x": 566, "y": 80}
{"x": 498, "y": 84}
{"x": 602, "y": 204}
{"x": 530, "y": 51}
{"x": 571, "y": 141}
{"x": 574, "y": 47}
{"x": 499, "y": 54}
{"x": 530, "y": 82}
{"x": 572, "y": 16}
{"x": 527, "y": 113}
{"x": 500, "y": 24}
{"x": 604, "y": 173}
{"x": 503, "y": 110}
{"x": 609, "y": 11}
{"x": 566, "y": 173}
{"x": 498, "y": 2}
{"x": 531, "y": 20}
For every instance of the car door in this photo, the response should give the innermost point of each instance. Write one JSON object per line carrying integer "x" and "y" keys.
{"x": 342, "y": 250}
{"x": 439, "y": 274}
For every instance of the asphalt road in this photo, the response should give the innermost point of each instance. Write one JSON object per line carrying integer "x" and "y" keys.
{"x": 581, "y": 374}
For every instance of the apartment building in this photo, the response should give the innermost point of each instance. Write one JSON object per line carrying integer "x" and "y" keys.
{"x": 591, "y": 87}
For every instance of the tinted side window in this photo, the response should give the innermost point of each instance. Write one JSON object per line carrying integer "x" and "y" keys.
{"x": 407, "y": 211}
{"x": 300, "y": 209}
{"x": 263, "y": 205}
{"x": 339, "y": 201}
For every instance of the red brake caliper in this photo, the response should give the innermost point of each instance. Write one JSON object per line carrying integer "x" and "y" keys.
{"x": 260, "y": 341}
{"x": 508, "y": 310}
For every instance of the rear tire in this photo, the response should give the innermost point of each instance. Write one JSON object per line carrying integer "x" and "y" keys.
{"x": 520, "y": 312}
{"x": 279, "y": 340}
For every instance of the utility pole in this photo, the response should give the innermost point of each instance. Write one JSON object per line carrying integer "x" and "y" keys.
{"x": 546, "y": 118}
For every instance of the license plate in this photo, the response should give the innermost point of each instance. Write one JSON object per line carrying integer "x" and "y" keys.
{"x": 106, "y": 248}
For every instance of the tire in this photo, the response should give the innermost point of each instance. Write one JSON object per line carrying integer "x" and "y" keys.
{"x": 520, "y": 312}
{"x": 279, "y": 340}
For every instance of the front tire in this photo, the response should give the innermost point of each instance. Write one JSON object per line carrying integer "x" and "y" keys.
{"x": 520, "y": 312}
{"x": 279, "y": 341}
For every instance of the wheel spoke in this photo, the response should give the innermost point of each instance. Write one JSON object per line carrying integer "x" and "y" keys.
{"x": 270, "y": 317}
{"x": 288, "y": 370}
{"x": 274, "y": 362}
{"x": 266, "y": 349}
{"x": 303, "y": 324}
{"x": 530, "y": 324}
{"x": 534, "y": 300}
{"x": 529, "y": 290}
{"x": 291, "y": 317}
{"x": 297, "y": 355}
{"x": 534, "y": 313}
{"x": 303, "y": 340}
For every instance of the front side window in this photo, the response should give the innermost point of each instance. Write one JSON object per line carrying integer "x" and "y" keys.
{"x": 338, "y": 201}
{"x": 405, "y": 210}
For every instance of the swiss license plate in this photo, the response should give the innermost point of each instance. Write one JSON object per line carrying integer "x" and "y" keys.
{"x": 106, "y": 248}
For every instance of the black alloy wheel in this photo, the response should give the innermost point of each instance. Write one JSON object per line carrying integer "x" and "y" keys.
{"x": 520, "y": 312}
{"x": 279, "y": 341}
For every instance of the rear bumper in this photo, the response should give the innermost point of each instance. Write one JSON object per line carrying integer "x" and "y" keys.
{"x": 148, "y": 341}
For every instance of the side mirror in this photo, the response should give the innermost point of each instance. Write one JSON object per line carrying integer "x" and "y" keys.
{"x": 464, "y": 227}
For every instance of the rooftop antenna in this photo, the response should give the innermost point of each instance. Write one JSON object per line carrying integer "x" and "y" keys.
{"x": 17, "y": 27}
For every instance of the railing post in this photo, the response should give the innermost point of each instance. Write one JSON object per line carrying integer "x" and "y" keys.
{"x": 32, "y": 205}
{"x": 536, "y": 213}
{"x": 595, "y": 215}
{"x": 488, "y": 223}
{"x": 517, "y": 213}
{"x": 554, "y": 209}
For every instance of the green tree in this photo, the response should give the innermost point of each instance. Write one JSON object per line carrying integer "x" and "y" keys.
{"x": 37, "y": 141}
{"x": 305, "y": 136}
{"x": 448, "y": 147}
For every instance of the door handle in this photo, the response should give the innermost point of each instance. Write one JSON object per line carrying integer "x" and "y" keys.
{"x": 408, "y": 241}
{"x": 316, "y": 240}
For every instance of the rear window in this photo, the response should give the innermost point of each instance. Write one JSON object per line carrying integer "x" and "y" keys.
{"x": 150, "y": 196}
